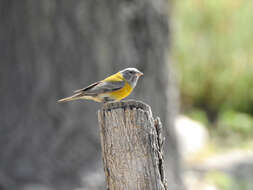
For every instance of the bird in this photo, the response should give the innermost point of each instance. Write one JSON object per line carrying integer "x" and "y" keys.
{"x": 113, "y": 88}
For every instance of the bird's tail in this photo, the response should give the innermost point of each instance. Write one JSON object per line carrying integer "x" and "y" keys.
{"x": 71, "y": 98}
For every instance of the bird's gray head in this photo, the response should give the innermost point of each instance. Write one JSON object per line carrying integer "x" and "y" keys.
{"x": 131, "y": 75}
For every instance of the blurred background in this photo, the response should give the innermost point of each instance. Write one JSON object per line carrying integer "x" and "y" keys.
{"x": 196, "y": 56}
{"x": 48, "y": 49}
{"x": 213, "y": 54}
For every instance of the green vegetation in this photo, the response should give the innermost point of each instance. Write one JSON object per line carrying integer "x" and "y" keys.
{"x": 241, "y": 123}
{"x": 226, "y": 182}
{"x": 220, "y": 180}
{"x": 213, "y": 52}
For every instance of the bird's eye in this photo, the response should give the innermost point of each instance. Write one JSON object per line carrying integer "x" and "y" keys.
{"x": 131, "y": 72}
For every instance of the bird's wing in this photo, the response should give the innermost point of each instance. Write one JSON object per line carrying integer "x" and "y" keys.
{"x": 102, "y": 87}
{"x": 87, "y": 88}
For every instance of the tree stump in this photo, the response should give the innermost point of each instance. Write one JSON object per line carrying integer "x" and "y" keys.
{"x": 131, "y": 141}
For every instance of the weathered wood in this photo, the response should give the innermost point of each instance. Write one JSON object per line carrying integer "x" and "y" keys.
{"x": 131, "y": 146}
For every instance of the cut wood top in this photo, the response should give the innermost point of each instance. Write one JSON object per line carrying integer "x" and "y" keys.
{"x": 127, "y": 104}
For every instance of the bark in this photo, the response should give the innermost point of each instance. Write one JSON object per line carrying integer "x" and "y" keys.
{"x": 131, "y": 146}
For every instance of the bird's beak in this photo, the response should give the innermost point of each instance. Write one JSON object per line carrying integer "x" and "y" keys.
{"x": 139, "y": 74}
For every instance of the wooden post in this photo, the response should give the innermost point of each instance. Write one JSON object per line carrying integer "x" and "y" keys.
{"x": 131, "y": 143}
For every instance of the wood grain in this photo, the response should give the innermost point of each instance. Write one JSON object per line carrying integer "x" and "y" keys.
{"x": 131, "y": 143}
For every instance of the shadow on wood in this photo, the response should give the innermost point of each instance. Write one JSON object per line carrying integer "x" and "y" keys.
{"x": 131, "y": 141}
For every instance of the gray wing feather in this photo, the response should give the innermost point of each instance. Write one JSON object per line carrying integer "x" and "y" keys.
{"x": 102, "y": 87}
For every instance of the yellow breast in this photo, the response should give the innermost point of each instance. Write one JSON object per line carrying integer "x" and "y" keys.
{"x": 123, "y": 92}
